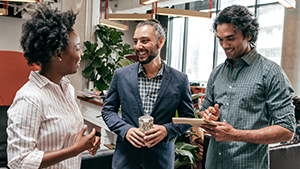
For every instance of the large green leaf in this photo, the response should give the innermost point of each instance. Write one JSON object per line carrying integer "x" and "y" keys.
{"x": 103, "y": 71}
{"x": 97, "y": 63}
{"x": 100, "y": 52}
{"x": 195, "y": 96}
{"x": 188, "y": 147}
{"x": 101, "y": 85}
{"x": 185, "y": 153}
{"x": 179, "y": 163}
{"x": 87, "y": 72}
{"x": 90, "y": 46}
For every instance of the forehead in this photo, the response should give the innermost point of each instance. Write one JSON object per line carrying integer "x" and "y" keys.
{"x": 144, "y": 31}
{"x": 227, "y": 29}
{"x": 74, "y": 38}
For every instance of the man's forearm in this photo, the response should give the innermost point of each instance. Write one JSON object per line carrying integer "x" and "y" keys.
{"x": 267, "y": 135}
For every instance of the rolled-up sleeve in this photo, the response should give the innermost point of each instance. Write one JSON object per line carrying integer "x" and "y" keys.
{"x": 24, "y": 118}
{"x": 279, "y": 99}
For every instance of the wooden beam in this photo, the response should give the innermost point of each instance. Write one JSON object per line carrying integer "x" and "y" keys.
{"x": 182, "y": 12}
{"x": 128, "y": 17}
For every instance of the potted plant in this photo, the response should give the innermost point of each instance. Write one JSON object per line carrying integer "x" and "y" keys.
{"x": 185, "y": 155}
{"x": 104, "y": 60}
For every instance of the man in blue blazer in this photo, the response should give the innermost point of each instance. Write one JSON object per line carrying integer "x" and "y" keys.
{"x": 148, "y": 87}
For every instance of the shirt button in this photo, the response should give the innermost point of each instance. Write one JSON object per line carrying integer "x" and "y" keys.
{"x": 220, "y": 154}
{"x": 224, "y": 120}
{"x": 227, "y": 104}
{"x": 230, "y": 87}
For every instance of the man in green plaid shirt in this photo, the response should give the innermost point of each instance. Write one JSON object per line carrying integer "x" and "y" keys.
{"x": 256, "y": 96}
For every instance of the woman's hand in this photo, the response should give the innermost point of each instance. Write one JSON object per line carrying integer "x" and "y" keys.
{"x": 85, "y": 142}
{"x": 93, "y": 150}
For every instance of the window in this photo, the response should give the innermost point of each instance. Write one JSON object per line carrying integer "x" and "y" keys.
{"x": 194, "y": 50}
{"x": 225, "y": 3}
{"x": 200, "y": 49}
{"x": 269, "y": 42}
{"x": 176, "y": 44}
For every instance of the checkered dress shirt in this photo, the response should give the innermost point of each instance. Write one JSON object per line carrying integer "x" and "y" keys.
{"x": 255, "y": 94}
{"x": 149, "y": 88}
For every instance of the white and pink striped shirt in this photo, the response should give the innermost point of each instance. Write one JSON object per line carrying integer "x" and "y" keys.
{"x": 44, "y": 117}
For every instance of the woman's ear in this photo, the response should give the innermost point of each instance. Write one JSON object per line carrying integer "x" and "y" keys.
{"x": 58, "y": 57}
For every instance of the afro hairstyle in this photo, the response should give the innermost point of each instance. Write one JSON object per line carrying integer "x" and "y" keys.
{"x": 46, "y": 34}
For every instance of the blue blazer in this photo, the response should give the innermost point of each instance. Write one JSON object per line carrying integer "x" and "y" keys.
{"x": 174, "y": 94}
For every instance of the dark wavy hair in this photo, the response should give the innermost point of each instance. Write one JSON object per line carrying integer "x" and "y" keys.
{"x": 46, "y": 34}
{"x": 160, "y": 32}
{"x": 241, "y": 18}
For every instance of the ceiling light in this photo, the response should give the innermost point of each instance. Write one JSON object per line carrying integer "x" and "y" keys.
{"x": 113, "y": 24}
{"x": 288, "y": 3}
{"x": 182, "y": 12}
{"x": 21, "y": 0}
{"x": 146, "y": 2}
{"x": 2, "y": 11}
{"x": 128, "y": 17}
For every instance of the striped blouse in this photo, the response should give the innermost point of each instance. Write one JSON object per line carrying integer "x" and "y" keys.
{"x": 43, "y": 117}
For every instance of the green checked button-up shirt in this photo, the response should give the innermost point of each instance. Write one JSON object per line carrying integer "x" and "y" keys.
{"x": 255, "y": 94}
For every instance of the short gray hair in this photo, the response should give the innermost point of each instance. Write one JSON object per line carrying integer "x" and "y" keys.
{"x": 160, "y": 32}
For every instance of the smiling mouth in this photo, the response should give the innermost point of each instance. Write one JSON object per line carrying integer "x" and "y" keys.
{"x": 228, "y": 51}
{"x": 142, "y": 52}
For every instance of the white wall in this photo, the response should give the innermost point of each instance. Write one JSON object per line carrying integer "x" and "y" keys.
{"x": 10, "y": 33}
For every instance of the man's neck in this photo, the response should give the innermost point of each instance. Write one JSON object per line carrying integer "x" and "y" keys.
{"x": 246, "y": 52}
{"x": 152, "y": 68}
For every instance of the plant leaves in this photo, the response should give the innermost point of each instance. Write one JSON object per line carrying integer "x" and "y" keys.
{"x": 103, "y": 71}
{"x": 102, "y": 63}
{"x": 98, "y": 63}
{"x": 101, "y": 85}
{"x": 100, "y": 52}
{"x": 186, "y": 153}
{"x": 87, "y": 72}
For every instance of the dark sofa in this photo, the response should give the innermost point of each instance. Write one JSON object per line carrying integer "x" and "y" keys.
{"x": 3, "y": 136}
{"x": 285, "y": 156}
{"x": 102, "y": 160}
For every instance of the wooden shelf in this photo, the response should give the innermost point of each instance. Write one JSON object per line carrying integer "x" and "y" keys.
{"x": 90, "y": 101}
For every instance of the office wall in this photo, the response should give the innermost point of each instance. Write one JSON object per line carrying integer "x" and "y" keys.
{"x": 10, "y": 33}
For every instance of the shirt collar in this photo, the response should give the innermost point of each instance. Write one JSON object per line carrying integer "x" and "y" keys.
{"x": 249, "y": 58}
{"x": 160, "y": 72}
{"x": 42, "y": 81}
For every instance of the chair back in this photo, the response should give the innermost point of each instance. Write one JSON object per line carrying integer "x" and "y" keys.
{"x": 14, "y": 73}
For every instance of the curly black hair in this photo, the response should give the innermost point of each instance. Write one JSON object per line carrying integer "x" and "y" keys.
{"x": 240, "y": 17}
{"x": 296, "y": 103}
{"x": 46, "y": 34}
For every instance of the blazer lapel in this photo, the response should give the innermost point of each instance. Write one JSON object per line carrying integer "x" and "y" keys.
{"x": 134, "y": 84}
{"x": 167, "y": 76}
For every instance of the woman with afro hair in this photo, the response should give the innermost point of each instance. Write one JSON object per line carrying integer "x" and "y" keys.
{"x": 45, "y": 126}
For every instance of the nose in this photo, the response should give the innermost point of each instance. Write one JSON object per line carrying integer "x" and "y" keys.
{"x": 224, "y": 44}
{"x": 81, "y": 53}
{"x": 138, "y": 45}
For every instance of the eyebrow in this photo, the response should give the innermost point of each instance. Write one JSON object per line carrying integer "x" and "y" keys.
{"x": 144, "y": 37}
{"x": 229, "y": 36}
